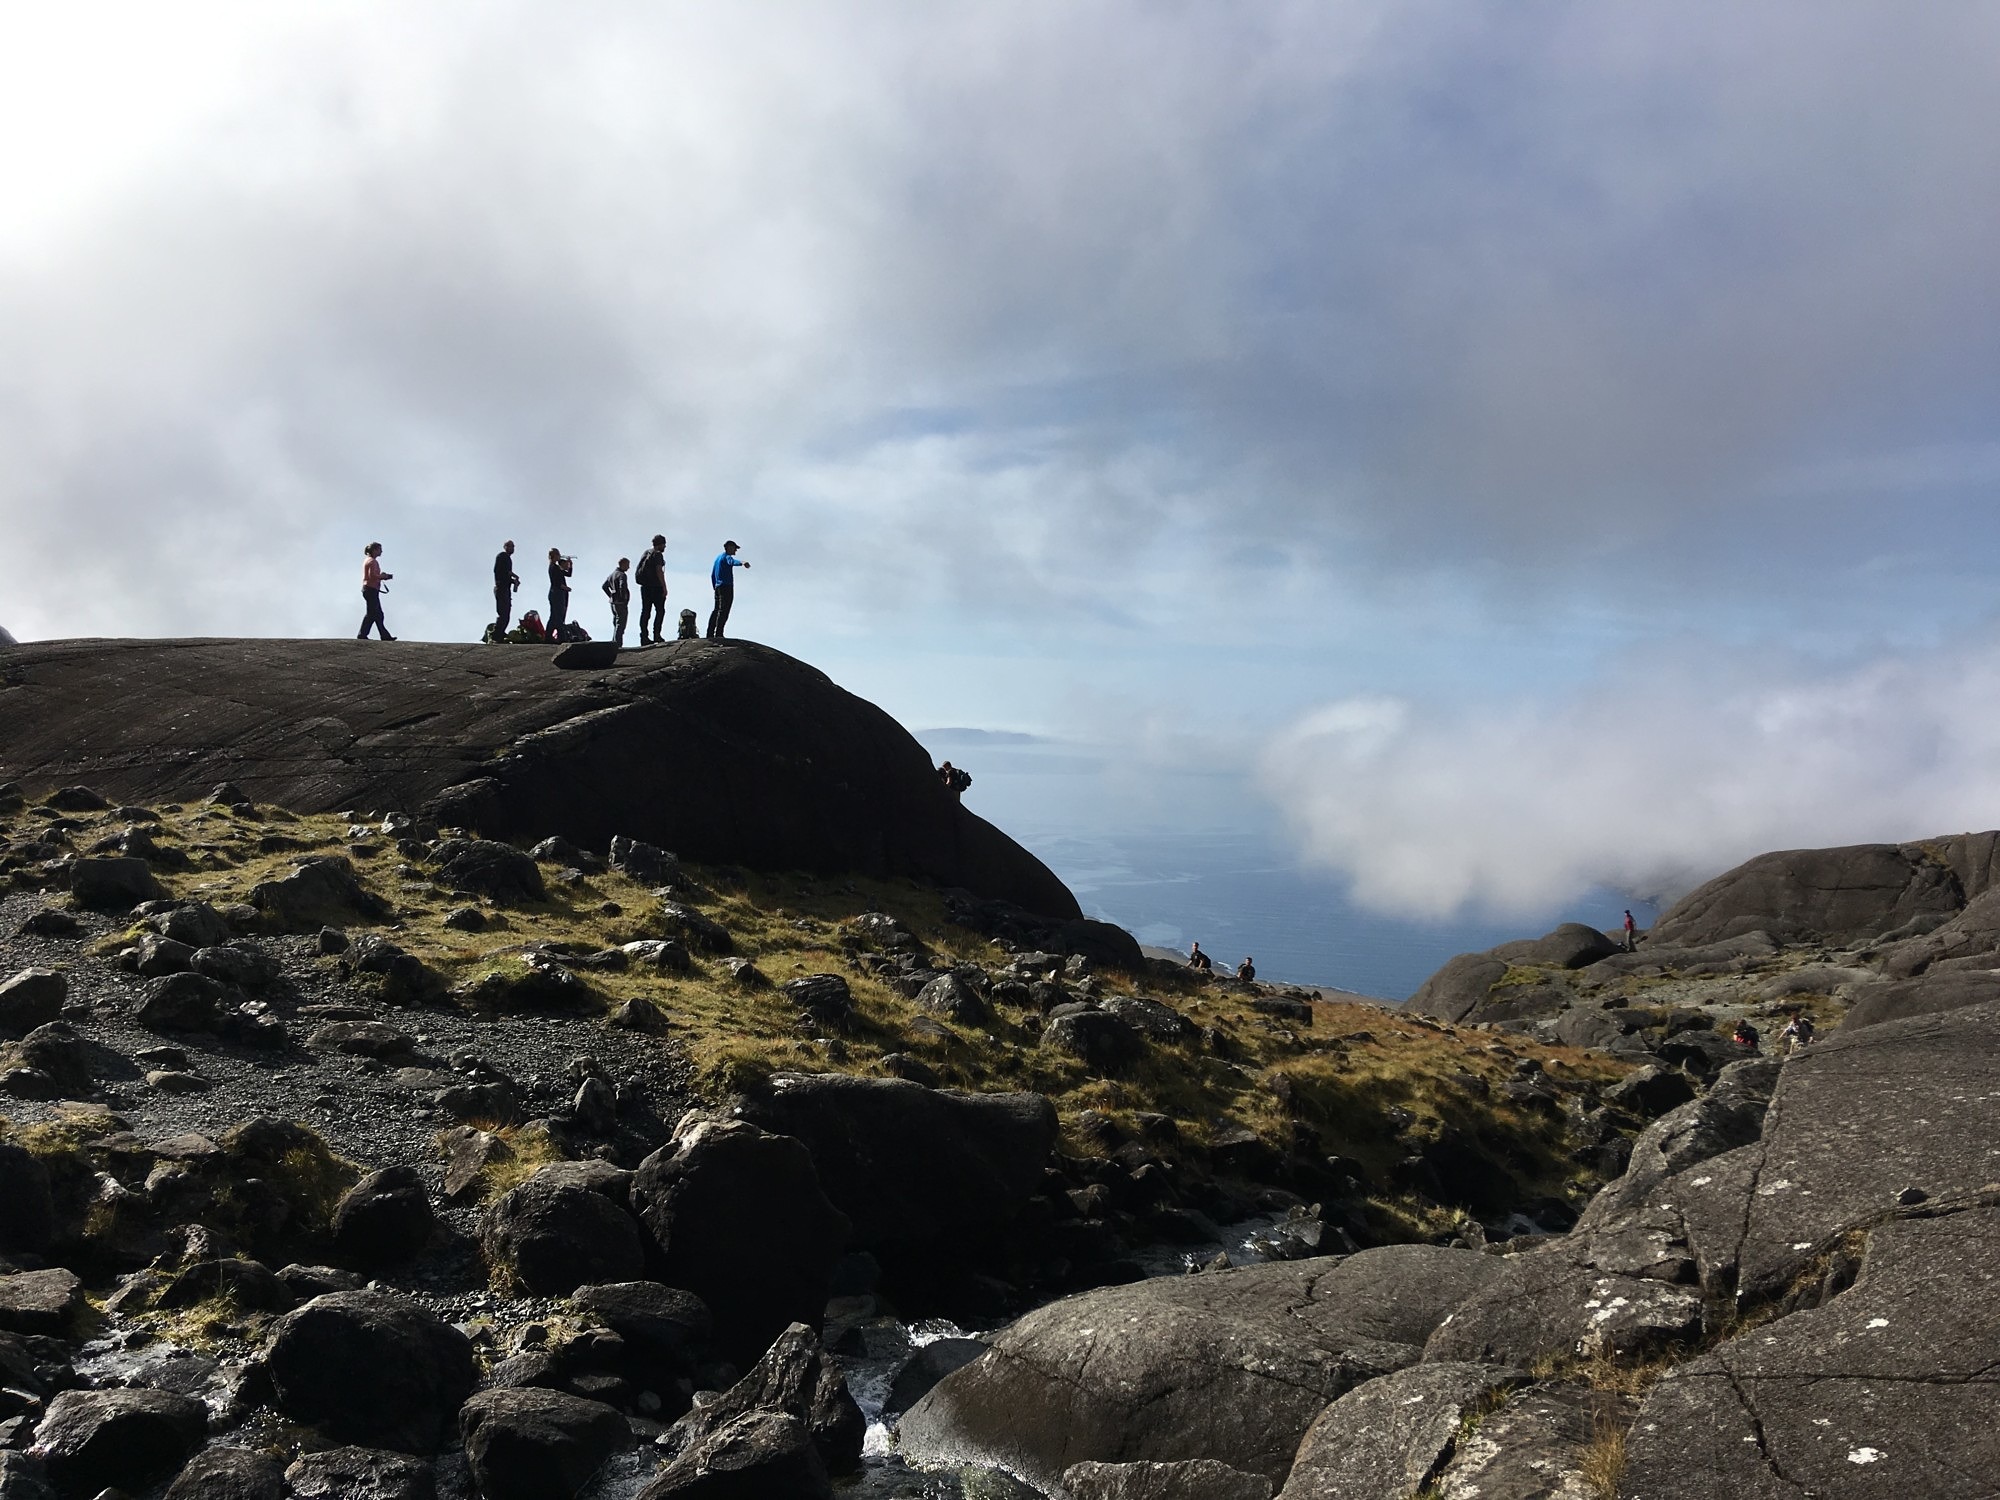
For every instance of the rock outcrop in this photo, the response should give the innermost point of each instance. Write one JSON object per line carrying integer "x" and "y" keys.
{"x": 722, "y": 752}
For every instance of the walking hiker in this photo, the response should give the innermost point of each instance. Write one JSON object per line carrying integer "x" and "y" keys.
{"x": 505, "y": 581}
{"x": 372, "y": 579}
{"x": 724, "y": 582}
{"x": 618, "y": 589}
{"x": 1631, "y": 934}
{"x": 1797, "y": 1035}
{"x": 560, "y": 568}
{"x": 652, "y": 576}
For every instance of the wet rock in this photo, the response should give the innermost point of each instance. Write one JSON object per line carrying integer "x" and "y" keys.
{"x": 563, "y": 1228}
{"x": 384, "y": 1219}
{"x": 128, "y": 1439}
{"x": 797, "y": 1378}
{"x": 360, "y": 1474}
{"x": 824, "y": 999}
{"x": 737, "y": 1216}
{"x": 1889, "y": 1391}
{"x": 1385, "y": 1438}
{"x": 916, "y": 1375}
{"x": 39, "y": 1301}
{"x": 27, "y": 1209}
{"x": 701, "y": 933}
{"x": 484, "y": 867}
{"x": 1232, "y": 1366}
{"x": 1104, "y": 1043}
{"x": 908, "y": 1165}
{"x": 229, "y": 1474}
{"x": 33, "y": 997}
{"x": 370, "y": 1368}
{"x": 529, "y": 1444}
{"x": 323, "y": 891}
{"x": 115, "y": 884}
{"x": 761, "y": 1454}
{"x": 1193, "y": 1479}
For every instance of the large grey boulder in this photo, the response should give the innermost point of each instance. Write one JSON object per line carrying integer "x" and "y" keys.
{"x": 1888, "y": 1392}
{"x": 1730, "y": 1114}
{"x": 567, "y": 1226}
{"x": 1194, "y": 1479}
{"x": 127, "y": 1438}
{"x": 370, "y": 1368}
{"x": 1934, "y": 990}
{"x": 1457, "y": 989}
{"x": 1232, "y": 1366}
{"x": 360, "y": 1474}
{"x": 737, "y": 1216}
{"x": 1570, "y": 946}
{"x": 912, "y": 1166}
{"x": 486, "y": 867}
{"x": 1551, "y": 1302}
{"x": 114, "y": 883}
{"x": 323, "y": 891}
{"x": 524, "y": 1443}
{"x": 229, "y": 1474}
{"x": 1385, "y": 1439}
{"x": 33, "y": 997}
{"x": 1839, "y": 895}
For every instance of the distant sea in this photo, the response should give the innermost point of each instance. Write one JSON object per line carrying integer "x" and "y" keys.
{"x": 1225, "y": 872}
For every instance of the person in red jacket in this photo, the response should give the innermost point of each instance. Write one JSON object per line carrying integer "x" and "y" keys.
{"x": 372, "y": 579}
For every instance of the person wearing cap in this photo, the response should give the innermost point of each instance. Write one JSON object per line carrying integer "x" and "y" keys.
{"x": 725, "y": 588}
{"x": 505, "y": 581}
{"x": 652, "y": 576}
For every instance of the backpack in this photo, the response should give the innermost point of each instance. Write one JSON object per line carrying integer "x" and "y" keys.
{"x": 531, "y": 626}
{"x": 652, "y": 569}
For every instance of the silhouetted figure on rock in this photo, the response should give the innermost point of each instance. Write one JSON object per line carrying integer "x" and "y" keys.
{"x": 560, "y": 568}
{"x": 505, "y": 581}
{"x": 955, "y": 780}
{"x": 722, "y": 577}
{"x": 372, "y": 579}
{"x": 618, "y": 589}
{"x": 652, "y": 578}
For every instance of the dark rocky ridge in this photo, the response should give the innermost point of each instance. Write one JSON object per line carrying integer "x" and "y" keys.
{"x": 726, "y": 753}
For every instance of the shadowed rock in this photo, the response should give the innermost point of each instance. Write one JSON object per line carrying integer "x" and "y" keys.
{"x": 724, "y": 752}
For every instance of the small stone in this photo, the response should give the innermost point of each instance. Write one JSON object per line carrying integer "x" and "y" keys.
{"x": 171, "y": 1082}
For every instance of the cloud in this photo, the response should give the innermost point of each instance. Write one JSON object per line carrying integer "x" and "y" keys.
{"x": 1394, "y": 283}
{"x": 1672, "y": 768}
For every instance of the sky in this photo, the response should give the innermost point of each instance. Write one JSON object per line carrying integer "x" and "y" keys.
{"x": 1510, "y": 451}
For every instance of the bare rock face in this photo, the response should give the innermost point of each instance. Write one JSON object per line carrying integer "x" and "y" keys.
{"x": 370, "y": 1367}
{"x": 1840, "y": 895}
{"x": 1889, "y": 1391}
{"x": 722, "y": 752}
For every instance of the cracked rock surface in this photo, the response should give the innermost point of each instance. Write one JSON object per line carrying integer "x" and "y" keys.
{"x": 1890, "y": 1390}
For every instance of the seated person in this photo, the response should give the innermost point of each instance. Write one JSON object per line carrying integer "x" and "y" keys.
{"x": 1246, "y": 970}
{"x": 1199, "y": 961}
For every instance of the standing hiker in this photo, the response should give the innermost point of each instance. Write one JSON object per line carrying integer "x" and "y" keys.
{"x": 652, "y": 576}
{"x": 618, "y": 589}
{"x": 560, "y": 568}
{"x": 372, "y": 579}
{"x": 505, "y": 581}
{"x": 1631, "y": 933}
{"x": 724, "y": 582}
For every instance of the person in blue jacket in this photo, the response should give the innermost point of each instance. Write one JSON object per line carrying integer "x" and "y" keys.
{"x": 725, "y": 588}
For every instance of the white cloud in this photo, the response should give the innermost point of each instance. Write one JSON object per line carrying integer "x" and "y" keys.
{"x": 1672, "y": 768}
